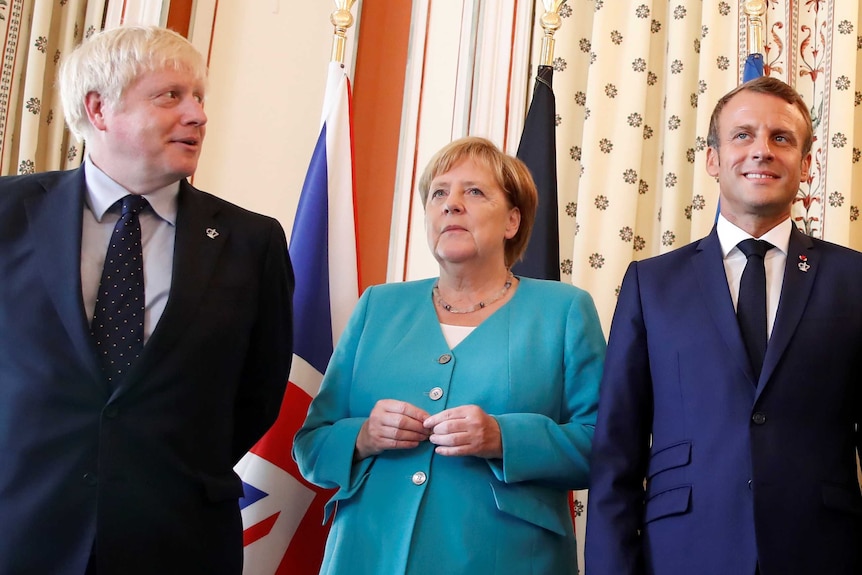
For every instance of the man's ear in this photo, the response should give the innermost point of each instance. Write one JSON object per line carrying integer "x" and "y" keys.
{"x": 712, "y": 161}
{"x": 95, "y": 107}
{"x": 806, "y": 165}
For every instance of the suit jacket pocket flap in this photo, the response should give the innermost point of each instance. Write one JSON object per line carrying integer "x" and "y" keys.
{"x": 527, "y": 503}
{"x": 843, "y": 498}
{"x": 674, "y": 501}
{"x": 669, "y": 457}
{"x": 223, "y": 488}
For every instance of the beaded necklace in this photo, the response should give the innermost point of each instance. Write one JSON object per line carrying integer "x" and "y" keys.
{"x": 481, "y": 305}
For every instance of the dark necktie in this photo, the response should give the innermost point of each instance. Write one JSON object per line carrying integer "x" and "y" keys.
{"x": 751, "y": 304}
{"x": 118, "y": 322}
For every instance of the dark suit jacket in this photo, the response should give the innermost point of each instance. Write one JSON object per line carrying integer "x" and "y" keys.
{"x": 737, "y": 470}
{"x": 144, "y": 470}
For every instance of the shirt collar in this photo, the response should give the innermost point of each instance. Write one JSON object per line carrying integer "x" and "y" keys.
{"x": 103, "y": 192}
{"x": 729, "y": 235}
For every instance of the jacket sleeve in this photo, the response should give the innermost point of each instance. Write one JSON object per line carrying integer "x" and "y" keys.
{"x": 621, "y": 446}
{"x": 267, "y": 365}
{"x": 554, "y": 449}
{"x": 324, "y": 445}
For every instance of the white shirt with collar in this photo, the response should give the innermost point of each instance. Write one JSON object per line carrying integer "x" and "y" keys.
{"x": 734, "y": 261}
{"x": 158, "y": 232}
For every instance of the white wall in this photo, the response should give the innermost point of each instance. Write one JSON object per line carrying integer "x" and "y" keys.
{"x": 468, "y": 72}
{"x": 268, "y": 65}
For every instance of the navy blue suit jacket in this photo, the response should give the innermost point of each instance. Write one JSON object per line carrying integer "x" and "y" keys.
{"x": 145, "y": 470}
{"x": 698, "y": 467}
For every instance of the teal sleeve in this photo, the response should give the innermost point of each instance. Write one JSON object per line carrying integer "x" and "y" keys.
{"x": 323, "y": 446}
{"x": 556, "y": 452}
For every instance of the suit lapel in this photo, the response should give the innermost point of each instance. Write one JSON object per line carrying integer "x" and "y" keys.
{"x": 55, "y": 219}
{"x": 199, "y": 241}
{"x": 800, "y": 270}
{"x": 712, "y": 279}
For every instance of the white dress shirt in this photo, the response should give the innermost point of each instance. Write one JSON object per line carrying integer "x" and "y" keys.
{"x": 455, "y": 334}
{"x": 158, "y": 231}
{"x": 734, "y": 262}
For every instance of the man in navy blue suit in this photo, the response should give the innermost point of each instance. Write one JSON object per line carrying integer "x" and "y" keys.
{"x": 711, "y": 457}
{"x": 129, "y": 470}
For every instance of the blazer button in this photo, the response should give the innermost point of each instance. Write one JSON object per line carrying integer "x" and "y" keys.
{"x": 445, "y": 358}
{"x": 436, "y": 393}
{"x": 111, "y": 411}
{"x": 90, "y": 479}
{"x": 419, "y": 478}
{"x": 758, "y": 418}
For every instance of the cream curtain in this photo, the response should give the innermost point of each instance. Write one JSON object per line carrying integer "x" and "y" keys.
{"x": 635, "y": 84}
{"x": 36, "y": 33}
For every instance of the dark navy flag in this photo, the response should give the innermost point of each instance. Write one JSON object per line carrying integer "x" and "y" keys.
{"x": 538, "y": 150}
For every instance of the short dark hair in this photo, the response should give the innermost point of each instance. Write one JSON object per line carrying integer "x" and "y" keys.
{"x": 763, "y": 85}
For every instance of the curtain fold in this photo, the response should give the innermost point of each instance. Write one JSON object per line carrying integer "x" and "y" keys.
{"x": 36, "y": 34}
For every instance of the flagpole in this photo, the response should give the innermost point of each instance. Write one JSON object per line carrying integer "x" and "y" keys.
{"x": 755, "y": 10}
{"x": 342, "y": 19}
{"x": 551, "y": 22}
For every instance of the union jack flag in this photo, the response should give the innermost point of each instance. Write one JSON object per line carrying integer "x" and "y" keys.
{"x": 282, "y": 513}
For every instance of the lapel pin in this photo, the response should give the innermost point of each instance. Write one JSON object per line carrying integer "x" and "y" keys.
{"x": 803, "y": 264}
{"x": 213, "y": 234}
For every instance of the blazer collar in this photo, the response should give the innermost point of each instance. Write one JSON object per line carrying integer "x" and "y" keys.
{"x": 200, "y": 237}
{"x": 712, "y": 279}
{"x": 800, "y": 271}
{"x": 55, "y": 219}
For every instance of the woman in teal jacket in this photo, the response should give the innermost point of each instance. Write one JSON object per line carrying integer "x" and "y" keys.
{"x": 457, "y": 413}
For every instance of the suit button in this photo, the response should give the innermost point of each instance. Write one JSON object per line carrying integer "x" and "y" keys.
{"x": 111, "y": 411}
{"x": 436, "y": 393}
{"x": 750, "y": 488}
{"x": 445, "y": 358}
{"x": 758, "y": 418}
{"x": 91, "y": 479}
{"x": 419, "y": 478}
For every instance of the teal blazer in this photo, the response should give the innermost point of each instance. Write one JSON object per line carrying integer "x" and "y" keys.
{"x": 535, "y": 365}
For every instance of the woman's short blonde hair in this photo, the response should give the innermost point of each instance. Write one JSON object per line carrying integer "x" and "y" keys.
{"x": 510, "y": 173}
{"x": 111, "y": 60}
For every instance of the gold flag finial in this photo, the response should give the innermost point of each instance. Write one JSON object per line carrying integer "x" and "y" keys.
{"x": 755, "y": 11}
{"x": 342, "y": 19}
{"x": 551, "y": 22}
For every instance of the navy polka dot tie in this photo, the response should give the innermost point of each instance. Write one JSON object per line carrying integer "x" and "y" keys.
{"x": 751, "y": 304}
{"x": 118, "y": 322}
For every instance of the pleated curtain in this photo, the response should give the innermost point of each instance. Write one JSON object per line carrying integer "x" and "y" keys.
{"x": 36, "y": 34}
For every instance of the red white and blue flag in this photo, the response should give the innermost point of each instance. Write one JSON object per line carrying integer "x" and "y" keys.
{"x": 282, "y": 514}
